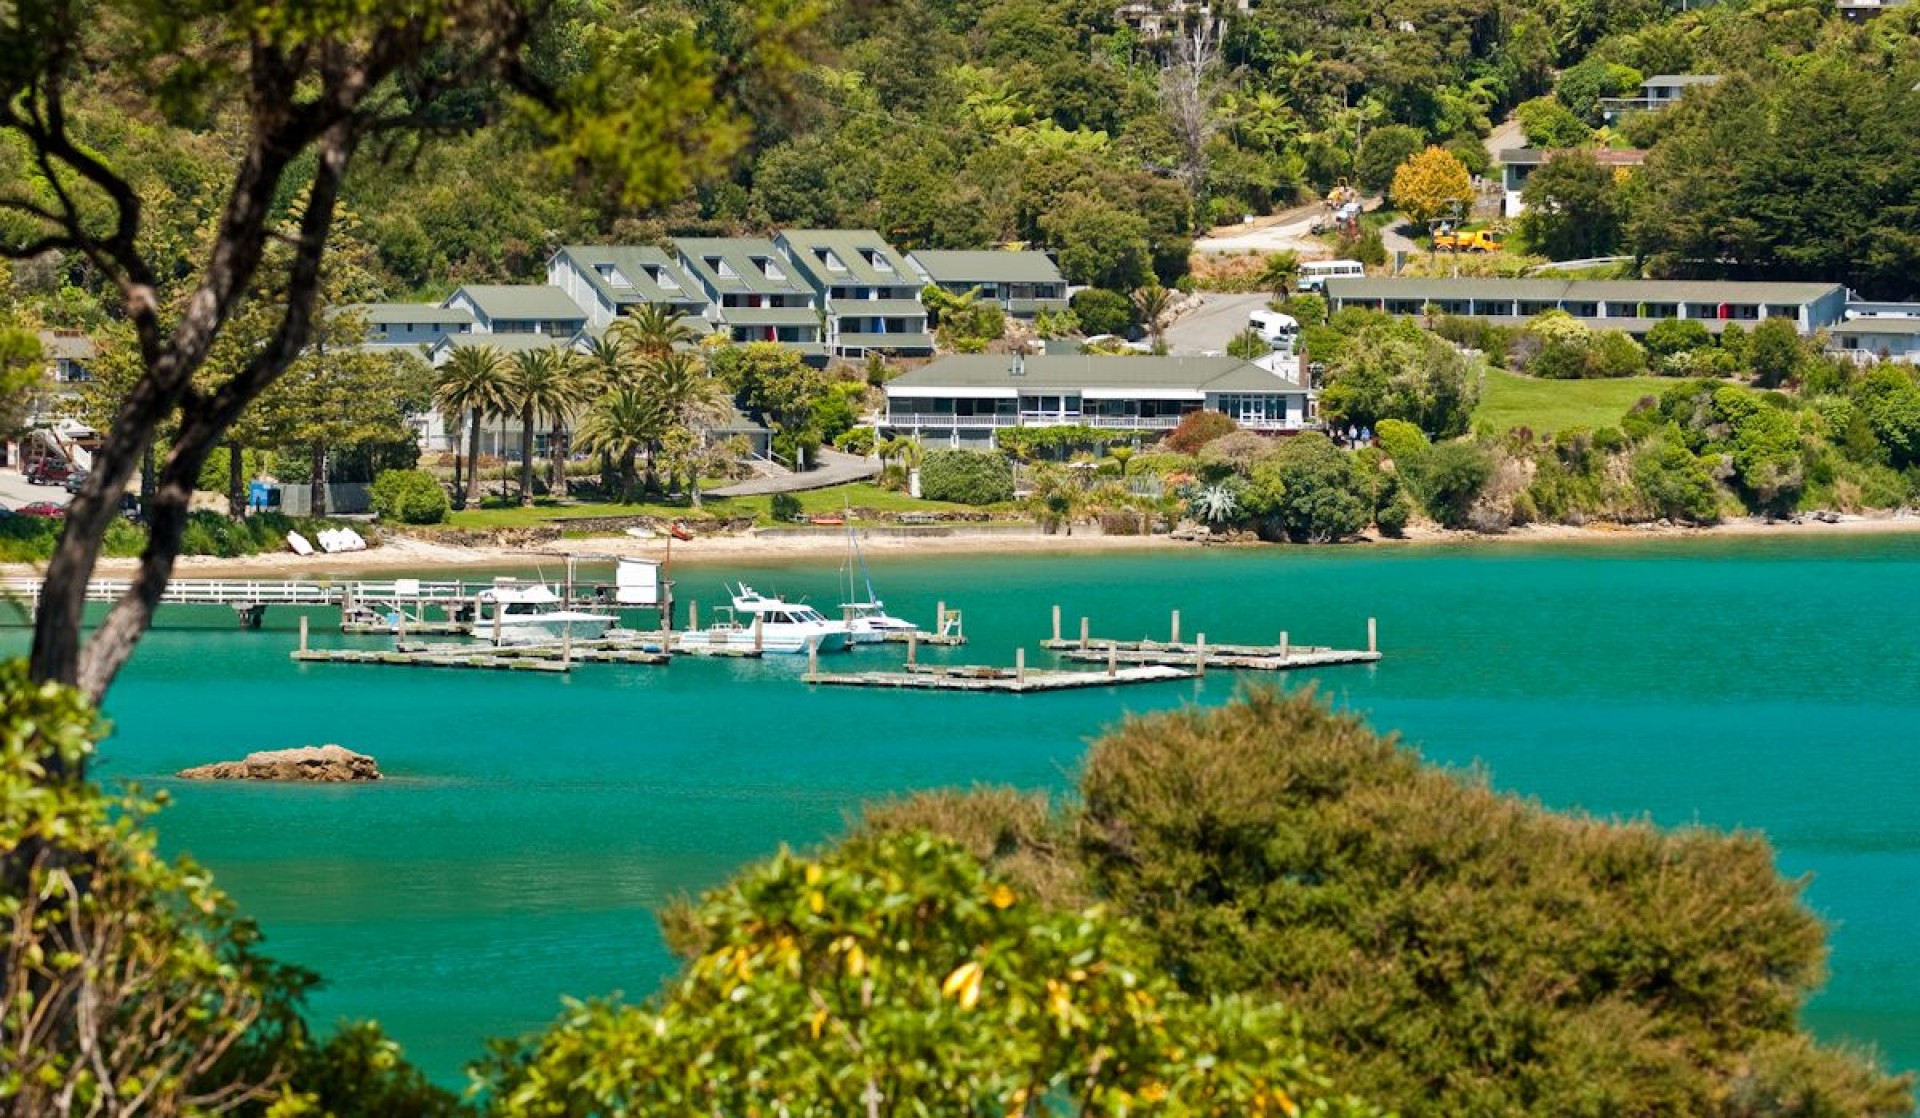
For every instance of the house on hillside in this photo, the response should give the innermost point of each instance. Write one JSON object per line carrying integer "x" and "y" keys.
{"x": 1879, "y": 338}
{"x": 1658, "y": 92}
{"x": 1518, "y": 164}
{"x": 964, "y": 401}
{"x": 870, "y": 293}
{"x": 524, "y": 308}
{"x": 1023, "y": 283}
{"x": 608, "y": 280}
{"x": 1632, "y": 306}
{"x": 754, "y": 293}
{"x": 411, "y": 324}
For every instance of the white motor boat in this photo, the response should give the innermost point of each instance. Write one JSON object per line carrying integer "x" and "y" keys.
{"x": 531, "y": 613}
{"x": 782, "y": 627}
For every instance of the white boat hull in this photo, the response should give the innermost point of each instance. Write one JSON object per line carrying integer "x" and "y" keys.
{"x": 549, "y": 628}
{"x": 775, "y": 641}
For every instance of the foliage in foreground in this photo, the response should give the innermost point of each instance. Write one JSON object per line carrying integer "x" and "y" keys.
{"x": 130, "y": 984}
{"x": 894, "y": 975}
{"x": 1455, "y": 950}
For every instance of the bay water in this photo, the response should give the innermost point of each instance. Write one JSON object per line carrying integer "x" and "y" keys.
{"x": 533, "y": 824}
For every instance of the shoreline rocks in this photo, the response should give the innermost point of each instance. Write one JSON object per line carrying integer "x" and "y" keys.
{"x": 311, "y": 764}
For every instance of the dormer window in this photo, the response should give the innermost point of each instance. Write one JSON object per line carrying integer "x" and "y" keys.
{"x": 832, "y": 262}
{"x": 719, "y": 267}
{"x": 876, "y": 260}
{"x": 768, "y": 268}
{"x": 662, "y": 278}
{"x": 613, "y": 276}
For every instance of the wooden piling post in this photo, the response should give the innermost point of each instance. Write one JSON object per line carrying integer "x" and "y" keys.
{"x": 566, "y": 646}
{"x": 1283, "y": 644}
{"x": 1176, "y": 628}
{"x": 1373, "y": 636}
{"x": 303, "y": 632}
{"x": 1200, "y": 655}
{"x": 1113, "y": 659}
{"x": 1056, "y": 622}
{"x": 1084, "y": 626}
{"x": 913, "y": 646}
{"x": 760, "y": 632}
{"x": 693, "y": 616}
{"x": 813, "y": 657}
{"x": 497, "y": 611}
{"x": 399, "y": 627}
{"x": 1020, "y": 666}
{"x": 939, "y": 616}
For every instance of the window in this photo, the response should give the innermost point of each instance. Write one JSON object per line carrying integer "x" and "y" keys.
{"x": 876, "y": 260}
{"x": 768, "y": 268}
{"x": 662, "y": 278}
{"x": 832, "y": 262}
{"x": 719, "y": 267}
{"x": 613, "y": 276}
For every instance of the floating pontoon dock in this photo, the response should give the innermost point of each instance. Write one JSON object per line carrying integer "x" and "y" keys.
{"x": 1284, "y": 656}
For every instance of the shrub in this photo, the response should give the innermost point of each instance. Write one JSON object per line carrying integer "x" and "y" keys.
{"x": 1672, "y": 336}
{"x": 1197, "y": 429}
{"x": 1101, "y": 311}
{"x": 1392, "y": 517}
{"x": 1307, "y": 492}
{"x": 784, "y": 506}
{"x": 859, "y": 441}
{"x": 409, "y": 497}
{"x": 967, "y": 477}
{"x": 1448, "y": 478}
{"x": 1674, "y": 483}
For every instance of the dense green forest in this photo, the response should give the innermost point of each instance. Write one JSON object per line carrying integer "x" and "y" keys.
{"x": 1053, "y": 122}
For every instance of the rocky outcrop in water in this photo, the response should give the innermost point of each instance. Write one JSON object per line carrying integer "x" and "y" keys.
{"x": 316, "y": 764}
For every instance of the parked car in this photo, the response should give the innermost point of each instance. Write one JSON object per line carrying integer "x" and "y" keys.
{"x": 46, "y": 509}
{"x": 75, "y": 480}
{"x": 48, "y": 470}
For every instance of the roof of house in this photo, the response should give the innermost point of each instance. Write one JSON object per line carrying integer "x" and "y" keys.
{"x": 987, "y": 266}
{"x": 505, "y": 343}
{"x": 987, "y": 373}
{"x": 836, "y": 256}
{"x": 883, "y": 308}
{"x": 1580, "y": 291}
{"x": 1882, "y": 326}
{"x": 744, "y": 256}
{"x": 517, "y": 301}
{"x": 56, "y": 345}
{"x": 1605, "y": 157}
{"x": 629, "y": 274}
{"x": 1679, "y": 79}
{"x": 410, "y": 314}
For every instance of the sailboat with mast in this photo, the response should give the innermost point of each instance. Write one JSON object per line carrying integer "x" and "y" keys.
{"x": 866, "y": 618}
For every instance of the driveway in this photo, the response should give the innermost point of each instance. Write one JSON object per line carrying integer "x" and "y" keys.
{"x": 1209, "y": 328}
{"x": 14, "y": 491}
{"x": 835, "y": 469}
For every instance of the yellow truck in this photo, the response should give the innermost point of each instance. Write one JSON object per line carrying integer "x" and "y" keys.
{"x": 1469, "y": 240}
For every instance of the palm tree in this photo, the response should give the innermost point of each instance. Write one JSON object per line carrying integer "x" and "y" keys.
{"x": 618, "y": 426}
{"x": 654, "y": 329}
{"x": 473, "y": 381}
{"x": 542, "y": 383}
{"x": 689, "y": 398}
{"x": 1282, "y": 269}
{"x": 608, "y": 361}
{"x": 1152, "y": 303}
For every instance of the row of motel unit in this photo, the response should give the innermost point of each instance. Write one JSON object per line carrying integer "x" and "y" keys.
{"x": 965, "y": 401}
{"x": 825, "y": 292}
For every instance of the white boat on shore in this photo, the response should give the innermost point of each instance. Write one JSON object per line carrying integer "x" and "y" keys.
{"x": 783, "y": 627}
{"x": 531, "y": 613}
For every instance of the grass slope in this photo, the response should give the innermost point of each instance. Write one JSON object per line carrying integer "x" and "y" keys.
{"x": 1509, "y": 400}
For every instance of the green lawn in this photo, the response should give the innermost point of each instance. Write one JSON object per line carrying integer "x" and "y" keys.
{"x": 1509, "y": 400}
{"x": 819, "y": 501}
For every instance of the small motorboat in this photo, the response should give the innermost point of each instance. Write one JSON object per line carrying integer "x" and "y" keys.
{"x": 783, "y": 627}
{"x": 531, "y": 613}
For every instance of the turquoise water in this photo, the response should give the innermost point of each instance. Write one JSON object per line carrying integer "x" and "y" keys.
{"x": 533, "y": 824}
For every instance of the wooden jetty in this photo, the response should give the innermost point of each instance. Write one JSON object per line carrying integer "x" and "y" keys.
{"x": 479, "y": 658}
{"x": 1200, "y": 655}
{"x": 561, "y": 656}
{"x": 977, "y": 677}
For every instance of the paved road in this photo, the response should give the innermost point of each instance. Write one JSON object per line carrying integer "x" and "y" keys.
{"x": 835, "y": 469}
{"x": 1210, "y": 328}
{"x": 14, "y": 491}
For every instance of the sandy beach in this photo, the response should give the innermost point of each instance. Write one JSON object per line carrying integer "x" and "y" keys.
{"x": 415, "y": 553}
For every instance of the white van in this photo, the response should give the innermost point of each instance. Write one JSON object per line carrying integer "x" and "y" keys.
{"x": 1278, "y": 330}
{"x": 1315, "y": 273}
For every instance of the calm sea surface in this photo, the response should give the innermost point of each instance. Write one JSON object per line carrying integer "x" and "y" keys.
{"x": 534, "y": 824}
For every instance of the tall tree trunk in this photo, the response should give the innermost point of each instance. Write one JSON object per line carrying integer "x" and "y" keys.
{"x": 236, "y": 481}
{"x": 626, "y": 478}
{"x": 526, "y": 456}
{"x": 317, "y": 487}
{"x": 473, "y": 459}
{"x": 459, "y": 488}
{"x": 557, "y": 457}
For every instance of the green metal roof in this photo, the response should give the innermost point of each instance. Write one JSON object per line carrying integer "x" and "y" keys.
{"x": 833, "y": 257}
{"x": 990, "y": 372}
{"x": 883, "y": 308}
{"x": 634, "y": 269}
{"x": 745, "y": 256}
{"x": 987, "y": 266}
{"x": 1881, "y": 326}
{"x": 391, "y": 314}
{"x": 1582, "y": 291}
{"x": 520, "y": 302}
{"x": 505, "y": 343}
